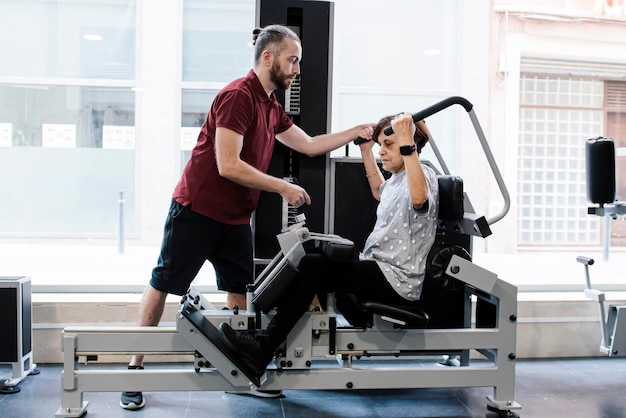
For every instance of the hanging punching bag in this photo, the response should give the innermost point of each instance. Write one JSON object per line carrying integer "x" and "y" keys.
{"x": 600, "y": 156}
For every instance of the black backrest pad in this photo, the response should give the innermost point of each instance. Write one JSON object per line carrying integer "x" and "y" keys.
{"x": 450, "y": 197}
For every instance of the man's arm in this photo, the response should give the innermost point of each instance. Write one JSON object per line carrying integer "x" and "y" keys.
{"x": 298, "y": 140}
{"x": 228, "y": 146}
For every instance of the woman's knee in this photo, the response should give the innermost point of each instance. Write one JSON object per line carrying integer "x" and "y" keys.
{"x": 314, "y": 262}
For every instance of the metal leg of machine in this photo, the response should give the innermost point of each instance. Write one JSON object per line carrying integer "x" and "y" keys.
{"x": 613, "y": 324}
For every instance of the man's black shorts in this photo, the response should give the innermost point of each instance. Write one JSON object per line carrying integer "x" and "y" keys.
{"x": 189, "y": 239}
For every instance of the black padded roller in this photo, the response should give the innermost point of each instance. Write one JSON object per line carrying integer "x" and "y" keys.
{"x": 600, "y": 157}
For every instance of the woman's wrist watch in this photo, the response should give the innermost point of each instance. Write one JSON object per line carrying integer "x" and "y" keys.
{"x": 407, "y": 149}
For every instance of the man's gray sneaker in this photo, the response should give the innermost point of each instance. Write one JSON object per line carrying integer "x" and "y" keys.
{"x": 132, "y": 400}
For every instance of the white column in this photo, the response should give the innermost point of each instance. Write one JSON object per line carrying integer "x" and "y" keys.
{"x": 158, "y": 117}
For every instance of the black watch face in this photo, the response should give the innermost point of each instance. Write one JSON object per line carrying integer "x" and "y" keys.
{"x": 407, "y": 149}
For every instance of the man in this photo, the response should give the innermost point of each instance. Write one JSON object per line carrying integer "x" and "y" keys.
{"x": 209, "y": 218}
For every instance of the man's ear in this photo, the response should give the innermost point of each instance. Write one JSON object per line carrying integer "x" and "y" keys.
{"x": 267, "y": 58}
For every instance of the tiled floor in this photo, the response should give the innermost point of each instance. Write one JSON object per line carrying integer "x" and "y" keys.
{"x": 572, "y": 388}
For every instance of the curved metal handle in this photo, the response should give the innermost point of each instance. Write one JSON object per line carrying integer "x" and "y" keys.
{"x": 469, "y": 108}
{"x": 437, "y": 107}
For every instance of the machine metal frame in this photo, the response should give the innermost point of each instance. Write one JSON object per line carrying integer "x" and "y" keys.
{"x": 613, "y": 324}
{"x": 381, "y": 357}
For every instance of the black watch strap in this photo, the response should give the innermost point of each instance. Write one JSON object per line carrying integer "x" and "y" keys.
{"x": 407, "y": 149}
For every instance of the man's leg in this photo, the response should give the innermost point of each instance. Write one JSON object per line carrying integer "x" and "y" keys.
{"x": 232, "y": 259}
{"x": 236, "y": 299}
{"x": 150, "y": 312}
{"x": 182, "y": 255}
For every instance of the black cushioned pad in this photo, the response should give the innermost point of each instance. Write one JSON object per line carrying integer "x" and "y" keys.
{"x": 208, "y": 330}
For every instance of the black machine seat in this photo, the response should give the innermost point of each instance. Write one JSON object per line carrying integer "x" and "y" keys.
{"x": 412, "y": 315}
{"x": 409, "y": 315}
{"x": 406, "y": 315}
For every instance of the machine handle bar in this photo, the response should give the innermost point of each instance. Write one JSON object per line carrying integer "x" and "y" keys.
{"x": 585, "y": 260}
{"x": 437, "y": 107}
{"x": 429, "y": 111}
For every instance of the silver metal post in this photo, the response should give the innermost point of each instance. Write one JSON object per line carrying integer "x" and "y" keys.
{"x": 606, "y": 239}
{"x": 120, "y": 226}
{"x": 587, "y": 276}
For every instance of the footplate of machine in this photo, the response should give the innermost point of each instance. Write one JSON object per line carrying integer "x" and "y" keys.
{"x": 205, "y": 337}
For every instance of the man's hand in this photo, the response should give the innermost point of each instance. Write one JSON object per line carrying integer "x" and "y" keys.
{"x": 366, "y": 134}
{"x": 295, "y": 195}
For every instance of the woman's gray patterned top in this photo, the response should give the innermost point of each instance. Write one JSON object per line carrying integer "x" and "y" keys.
{"x": 403, "y": 236}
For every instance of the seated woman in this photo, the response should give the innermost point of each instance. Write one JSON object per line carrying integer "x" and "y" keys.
{"x": 392, "y": 266}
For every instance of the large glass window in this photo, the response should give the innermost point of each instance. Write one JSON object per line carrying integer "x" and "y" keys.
{"x": 66, "y": 38}
{"x": 217, "y": 39}
{"x": 429, "y": 28}
{"x": 66, "y": 116}
{"x": 67, "y": 113}
{"x": 69, "y": 153}
{"x": 195, "y": 106}
{"x": 369, "y": 82}
{"x": 217, "y": 48}
{"x": 82, "y": 117}
{"x": 557, "y": 116}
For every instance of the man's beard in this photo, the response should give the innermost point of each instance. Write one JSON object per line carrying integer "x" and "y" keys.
{"x": 280, "y": 79}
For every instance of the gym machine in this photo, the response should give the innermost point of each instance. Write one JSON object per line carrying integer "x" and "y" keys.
{"x": 600, "y": 165}
{"x": 17, "y": 331}
{"x": 365, "y": 345}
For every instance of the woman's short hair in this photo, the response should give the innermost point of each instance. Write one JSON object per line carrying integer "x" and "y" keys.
{"x": 421, "y": 136}
{"x": 271, "y": 38}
